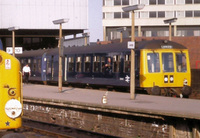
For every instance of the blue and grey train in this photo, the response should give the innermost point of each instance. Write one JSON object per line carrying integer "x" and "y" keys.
{"x": 161, "y": 67}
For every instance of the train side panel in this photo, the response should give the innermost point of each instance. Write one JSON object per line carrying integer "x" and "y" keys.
{"x": 10, "y": 92}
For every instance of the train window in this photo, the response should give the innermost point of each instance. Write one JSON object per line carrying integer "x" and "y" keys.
{"x": 127, "y": 63}
{"x": 29, "y": 61}
{"x": 167, "y": 62}
{"x": 103, "y": 64}
{"x": 78, "y": 64}
{"x": 96, "y": 63}
{"x": 71, "y": 64}
{"x": 116, "y": 63}
{"x": 87, "y": 64}
{"x": 34, "y": 65}
{"x": 153, "y": 62}
{"x": 181, "y": 62}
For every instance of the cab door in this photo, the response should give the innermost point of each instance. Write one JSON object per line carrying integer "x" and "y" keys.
{"x": 168, "y": 69}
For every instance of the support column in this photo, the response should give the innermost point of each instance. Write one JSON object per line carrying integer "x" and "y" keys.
{"x": 139, "y": 31}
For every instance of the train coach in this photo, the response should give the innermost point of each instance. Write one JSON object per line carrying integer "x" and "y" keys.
{"x": 161, "y": 67}
{"x": 10, "y": 92}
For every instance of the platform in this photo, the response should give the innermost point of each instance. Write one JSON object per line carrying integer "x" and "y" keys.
{"x": 157, "y": 105}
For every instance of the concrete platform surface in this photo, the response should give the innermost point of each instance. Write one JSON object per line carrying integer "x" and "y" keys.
{"x": 158, "y": 105}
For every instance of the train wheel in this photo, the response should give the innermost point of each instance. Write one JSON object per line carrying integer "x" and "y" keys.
{"x": 156, "y": 90}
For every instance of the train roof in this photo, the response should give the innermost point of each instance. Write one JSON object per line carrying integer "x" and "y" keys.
{"x": 113, "y": 47}
{"x": 159, "y": 44}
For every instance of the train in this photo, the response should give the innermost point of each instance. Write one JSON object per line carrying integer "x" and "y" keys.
{"x": 11, "y": 100}
{"x": 162, "y": 67}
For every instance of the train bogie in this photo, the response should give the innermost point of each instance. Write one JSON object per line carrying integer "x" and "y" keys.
{"x": 10, "y": 92}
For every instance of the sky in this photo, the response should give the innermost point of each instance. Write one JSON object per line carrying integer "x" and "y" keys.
{"x": 95, "y": 20}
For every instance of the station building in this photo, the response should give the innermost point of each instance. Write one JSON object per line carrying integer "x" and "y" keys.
{"x": 149, "y": 22}
{"x": 34, "y": 18}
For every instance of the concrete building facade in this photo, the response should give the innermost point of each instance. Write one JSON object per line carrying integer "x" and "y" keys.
{"x": 149, "y": 22}
{"x": 34, "y": 19}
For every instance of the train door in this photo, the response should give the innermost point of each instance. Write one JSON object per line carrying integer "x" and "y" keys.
{"x": 168, "y": 68}
{"x": 49, "y": 71}
{"x": 65, "y": 68}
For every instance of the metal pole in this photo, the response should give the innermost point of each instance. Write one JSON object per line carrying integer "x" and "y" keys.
{"x": 170, "y": 32}
{"x": 13, "y": 42}
{"x": 60, "y": 60}
{"x": 132, "y": 85}
{"x": 121, "y": 36}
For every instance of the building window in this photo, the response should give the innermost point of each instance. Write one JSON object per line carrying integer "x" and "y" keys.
{"x": 169, "y": 14}
{"x": 125, "y": 14}
{"x": 146, "y": 2}
{"x": 169, "y": 2}
{"x": 196, "y": 1}
{"x": 125, "y": 2}
{"x": 180, "y": 14}
{"x": 117, "y": 15}
{"x": 117, "y": 2}
{"x": 152, "y": 14}
{"x": 196, "y": 32}
{"x": 161, "y": 2}
{"x": 152, "y": 2}
{"x": 109, "y": 2}
{"x": 188, "y": 13}
{"x": 109, "y": 15}
{"x": 134, "y": 2}
{"x": 161, "y": 14}
{"x": 188, "y": 1}
{"x": 180, "y": 1}
{"x": 144, "y": 14}
{"x": 196, "y": 13}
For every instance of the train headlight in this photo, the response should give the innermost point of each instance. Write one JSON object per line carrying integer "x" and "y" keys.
{"x": 13, "y": 108}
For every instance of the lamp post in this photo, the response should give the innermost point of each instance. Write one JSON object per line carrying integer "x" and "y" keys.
{"x": 13, "y": 37}
{"x": 60, "y": 22}
{"x": 132, "y": 10}
{"x": 170, "y": 21}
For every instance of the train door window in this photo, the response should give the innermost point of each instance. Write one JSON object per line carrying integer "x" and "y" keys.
{"x": 96, "y": 63}
{"x": 87, "y": 64}
{"x": 167, "y": 62}
{"x": 181, "y": 62}
{"x": 127, "y": 63}
{"x": 39, "y": 65}
{"x": 116, "y": 63}
{"x": 34, "y": 65}
{"x": 48, "y": 66}
{"x": 103, "y": 64}
{"x": 78, "y": 64}
{"x": 153, "y": 62}
{"x": 71, "y": 64}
